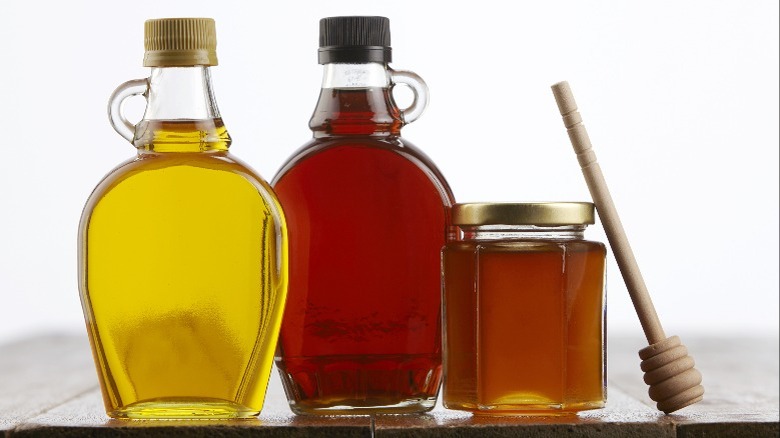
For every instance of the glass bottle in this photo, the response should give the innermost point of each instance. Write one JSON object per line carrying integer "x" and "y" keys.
{"x": 524, "y": 310}
{"x": 182, "y": 249}
{"x": 367, "y": 215}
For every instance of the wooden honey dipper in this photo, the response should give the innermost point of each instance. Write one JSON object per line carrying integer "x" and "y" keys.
{"x": 669, "y": 370}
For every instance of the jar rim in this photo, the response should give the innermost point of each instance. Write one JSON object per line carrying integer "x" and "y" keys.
{"x": 523, "y": 213}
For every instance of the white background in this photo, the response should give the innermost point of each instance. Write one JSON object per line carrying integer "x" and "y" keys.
{"x": 680, "y": 99}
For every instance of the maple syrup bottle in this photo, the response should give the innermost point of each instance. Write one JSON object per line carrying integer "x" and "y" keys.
{"x": 182, "y": 249}
{"x": 367, "y": 215}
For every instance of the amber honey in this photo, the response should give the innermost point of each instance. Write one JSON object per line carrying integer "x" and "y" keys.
{"x": 524, "y": 320}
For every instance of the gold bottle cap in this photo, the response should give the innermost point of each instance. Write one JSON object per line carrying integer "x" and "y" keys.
{"x": 180, "y": 42}
{"x": 532, "y": 213}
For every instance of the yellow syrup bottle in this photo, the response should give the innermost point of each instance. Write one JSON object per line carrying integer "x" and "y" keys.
{"x": 182, "y": 249}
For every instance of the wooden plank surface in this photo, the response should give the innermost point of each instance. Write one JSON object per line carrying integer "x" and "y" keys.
{"x": 48, "y": 387}
{"x": 41, "y": 373}
{"x": 741, "y": 380}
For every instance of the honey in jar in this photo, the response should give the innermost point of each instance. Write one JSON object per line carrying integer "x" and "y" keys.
{"x": 523, "y": 300}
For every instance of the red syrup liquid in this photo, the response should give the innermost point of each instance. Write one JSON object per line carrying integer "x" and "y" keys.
{"x": 367, "y": 215}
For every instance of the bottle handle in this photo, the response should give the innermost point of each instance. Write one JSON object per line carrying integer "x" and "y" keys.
{"x": 420, "y": 90}
{"x": 136, "y": 87}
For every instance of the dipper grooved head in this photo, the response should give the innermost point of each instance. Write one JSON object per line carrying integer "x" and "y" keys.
{"x": 669, "y": 370}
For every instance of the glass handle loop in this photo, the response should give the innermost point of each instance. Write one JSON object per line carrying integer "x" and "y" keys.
{"x": 420, "y": 90}
{"x": 136, "y": 87}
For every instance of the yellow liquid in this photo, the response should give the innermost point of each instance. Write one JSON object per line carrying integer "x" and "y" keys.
{"x": 183, "y": 265}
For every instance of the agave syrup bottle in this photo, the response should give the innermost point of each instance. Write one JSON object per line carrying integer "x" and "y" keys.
{"x": 182, "y": 249}
{"x": 368, "y": 213}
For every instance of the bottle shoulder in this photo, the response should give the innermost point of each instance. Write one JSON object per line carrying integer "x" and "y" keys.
{"x": 179, "y": 172}
{"x": 367, "y": 145}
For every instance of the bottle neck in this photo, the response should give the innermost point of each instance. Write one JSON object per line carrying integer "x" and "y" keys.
{"x": 356, "y": 100}
{"x": 181, "y": 113}
{"x": 523, "y": 232}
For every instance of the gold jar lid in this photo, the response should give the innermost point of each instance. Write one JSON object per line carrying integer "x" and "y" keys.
{"x": 531, "y": 213}
{"x": 180, "y": 42}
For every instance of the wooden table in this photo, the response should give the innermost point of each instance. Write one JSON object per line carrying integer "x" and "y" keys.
{"x": 48, "y": 387}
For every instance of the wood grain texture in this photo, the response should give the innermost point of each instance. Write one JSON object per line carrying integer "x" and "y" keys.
{"x": 84, "y": 416}
{"x": 48, "y": 387}
{"x": 623, "y": 416}
{"x": 41, "y": 373}
{"x": 743, "y": 381}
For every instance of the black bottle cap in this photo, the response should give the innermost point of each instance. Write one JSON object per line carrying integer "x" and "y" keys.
{"x": 355, "y": 40}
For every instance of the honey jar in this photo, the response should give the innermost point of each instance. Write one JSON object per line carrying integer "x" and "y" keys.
{"x": 524, "y": 310}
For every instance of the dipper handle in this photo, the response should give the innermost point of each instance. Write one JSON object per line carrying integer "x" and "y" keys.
{"x": 674, "y": 383}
